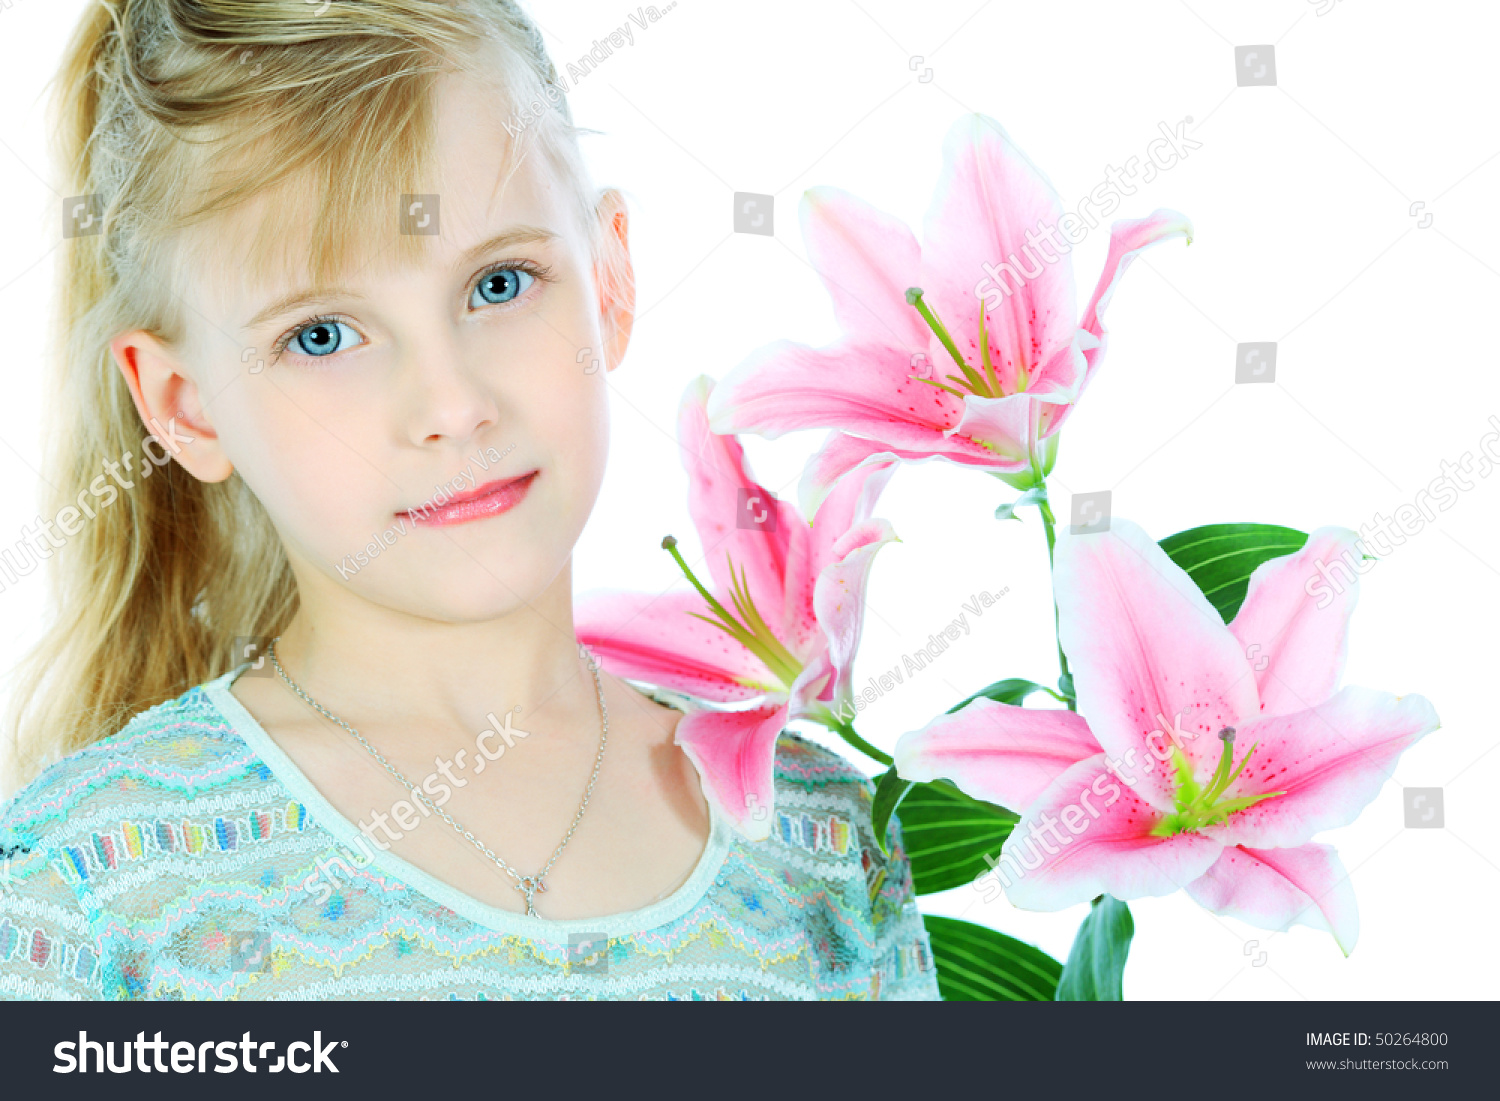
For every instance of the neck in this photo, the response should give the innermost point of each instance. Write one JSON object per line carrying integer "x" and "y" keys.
{"x": 425, "y": 677}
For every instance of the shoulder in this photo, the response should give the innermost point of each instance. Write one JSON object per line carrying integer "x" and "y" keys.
{"x": 174, "y": 750}
{"x": 103, "y": 809}
{"x": 802, "y": 763}
{"x": 822, "y": 801}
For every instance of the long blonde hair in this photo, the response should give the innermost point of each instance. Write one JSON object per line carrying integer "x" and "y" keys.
{"x": 167, "y": 113}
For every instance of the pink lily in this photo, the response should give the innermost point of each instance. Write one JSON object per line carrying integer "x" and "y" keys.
{"x": 1210, "y": 755}
{"x": 779, "y": 625}
{"x": 983, "y": 365}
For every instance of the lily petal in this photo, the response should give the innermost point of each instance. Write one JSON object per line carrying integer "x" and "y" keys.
{"x": 988, "y": 197}
{"x": 720, "y": 489}
{"x": 1060, "y": 378}
{"x": 1087, "y": 835}
{"x": 1146, "y": 647}
{"x": 1297, "y": 647}
{"x": 1127, "y": 239}
{"x": 1330, "y": 760}
{"x": 839, "y": 602}
{"x": 735, "y": 754}
{"x": 811, "y": 696}
{"x": 654, "y": 639}
{"x": 846, "y": 506}
{"x": 995, "y": 751}
{"x": 851, "y": 504}
{"x": 1278, "y": 888}
{"x": 867, "y": 260}
{"x": 1004, "y": 425}
{"x": 860, "y": 386}
{"x": 842, "y": 454}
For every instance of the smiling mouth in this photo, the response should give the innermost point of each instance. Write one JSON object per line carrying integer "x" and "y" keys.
{"x": 490, "y": 499}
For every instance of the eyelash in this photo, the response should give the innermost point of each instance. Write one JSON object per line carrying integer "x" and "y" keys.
{"x": 542, "y": 273}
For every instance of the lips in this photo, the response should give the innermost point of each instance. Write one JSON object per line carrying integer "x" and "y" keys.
{"x": 489, "y": 499}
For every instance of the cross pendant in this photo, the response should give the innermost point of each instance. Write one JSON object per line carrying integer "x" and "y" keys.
{"x": 531, "y": 886}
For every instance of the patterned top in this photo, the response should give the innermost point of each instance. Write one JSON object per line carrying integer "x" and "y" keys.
{"x": 187, "y": 857}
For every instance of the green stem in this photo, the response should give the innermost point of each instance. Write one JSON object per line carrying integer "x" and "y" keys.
{"x": 846, "y": 731}
{"x": 1049, "y": 525}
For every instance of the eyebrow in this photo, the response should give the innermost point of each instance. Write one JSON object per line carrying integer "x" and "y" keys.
{"x": 300, "y": 300}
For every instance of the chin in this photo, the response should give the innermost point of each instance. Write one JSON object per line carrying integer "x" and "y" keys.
{"x": 482, "y": 588}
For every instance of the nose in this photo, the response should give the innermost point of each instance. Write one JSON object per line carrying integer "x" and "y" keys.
{"x": 446, "y": 397}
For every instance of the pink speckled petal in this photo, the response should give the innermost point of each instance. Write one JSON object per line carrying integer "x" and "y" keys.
{"x": 841, "y": 454}
{"x": 987, "y": 200}
{"x": 1005, "y": 426}
{"x": 1008, "y": 755}
{"x": 654, "y": 639}
{"x": 1297, "y": 644}
{"x": 867, "y": 258}
{"x": 1087, "y": 835}
{"x": 721, "y": 490}
{"x": 1278, "y": 888}
{"x": 735, "y": 754}
{"x": 1126, "y": 241}
{"x": 1145, "y": 646}
{"x": 839, "y": 599}
{"x": 1330, "y": 760}
{"x": 860, "y": 386}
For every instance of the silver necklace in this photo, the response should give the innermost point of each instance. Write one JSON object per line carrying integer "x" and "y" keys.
{"x": 529, "y": 885}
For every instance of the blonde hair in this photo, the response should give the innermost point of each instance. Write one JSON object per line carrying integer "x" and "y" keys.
{"x": 169, "y": 113}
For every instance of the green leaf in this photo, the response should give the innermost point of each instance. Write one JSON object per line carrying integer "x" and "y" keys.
{"x": 1097, "y": 960}
{"x": 1031, "y": 497}
{"x": 977, "y": 964}
{"x": 889, "y": 791}
{"x": 1011, "y": 691}
{"x": 1221, "y": 557}
{"x": 947, "y": 834}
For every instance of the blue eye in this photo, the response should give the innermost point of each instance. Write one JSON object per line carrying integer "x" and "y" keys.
{"x": 323, "y": 338}
{"x": 320, "y": 337}
{"x": 500, "y": 286}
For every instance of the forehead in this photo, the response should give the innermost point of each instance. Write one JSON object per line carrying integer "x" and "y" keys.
{"x": 480, "y": 178}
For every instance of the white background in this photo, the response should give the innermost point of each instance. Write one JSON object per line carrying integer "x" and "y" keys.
{"x": 1301, "y": 197}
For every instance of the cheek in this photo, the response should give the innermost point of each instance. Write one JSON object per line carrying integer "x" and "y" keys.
{"x": 303, "y": 464}
{"x": 560, "y": 400}
{"x": 574, "y": 421}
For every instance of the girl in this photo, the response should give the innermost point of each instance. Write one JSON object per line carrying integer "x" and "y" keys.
{"x": 312, "y": 721}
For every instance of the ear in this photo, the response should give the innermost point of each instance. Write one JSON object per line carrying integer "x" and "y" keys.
{"x": 170, "y": 405}
{"x": 615, "y": 278}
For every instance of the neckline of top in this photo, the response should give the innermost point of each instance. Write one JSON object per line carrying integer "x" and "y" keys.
{"x": 301, "y": 788}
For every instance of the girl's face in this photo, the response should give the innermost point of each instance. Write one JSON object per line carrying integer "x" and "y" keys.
{"x": 432, "y": 437}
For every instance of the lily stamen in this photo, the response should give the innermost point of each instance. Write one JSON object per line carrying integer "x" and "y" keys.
{"x": 749, "y": 629}
{"x": 984, "y": 385}
{"x": 1199, "y": 806}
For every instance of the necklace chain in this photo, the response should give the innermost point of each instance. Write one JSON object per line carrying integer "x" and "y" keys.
{"x": 529, "y": 885}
